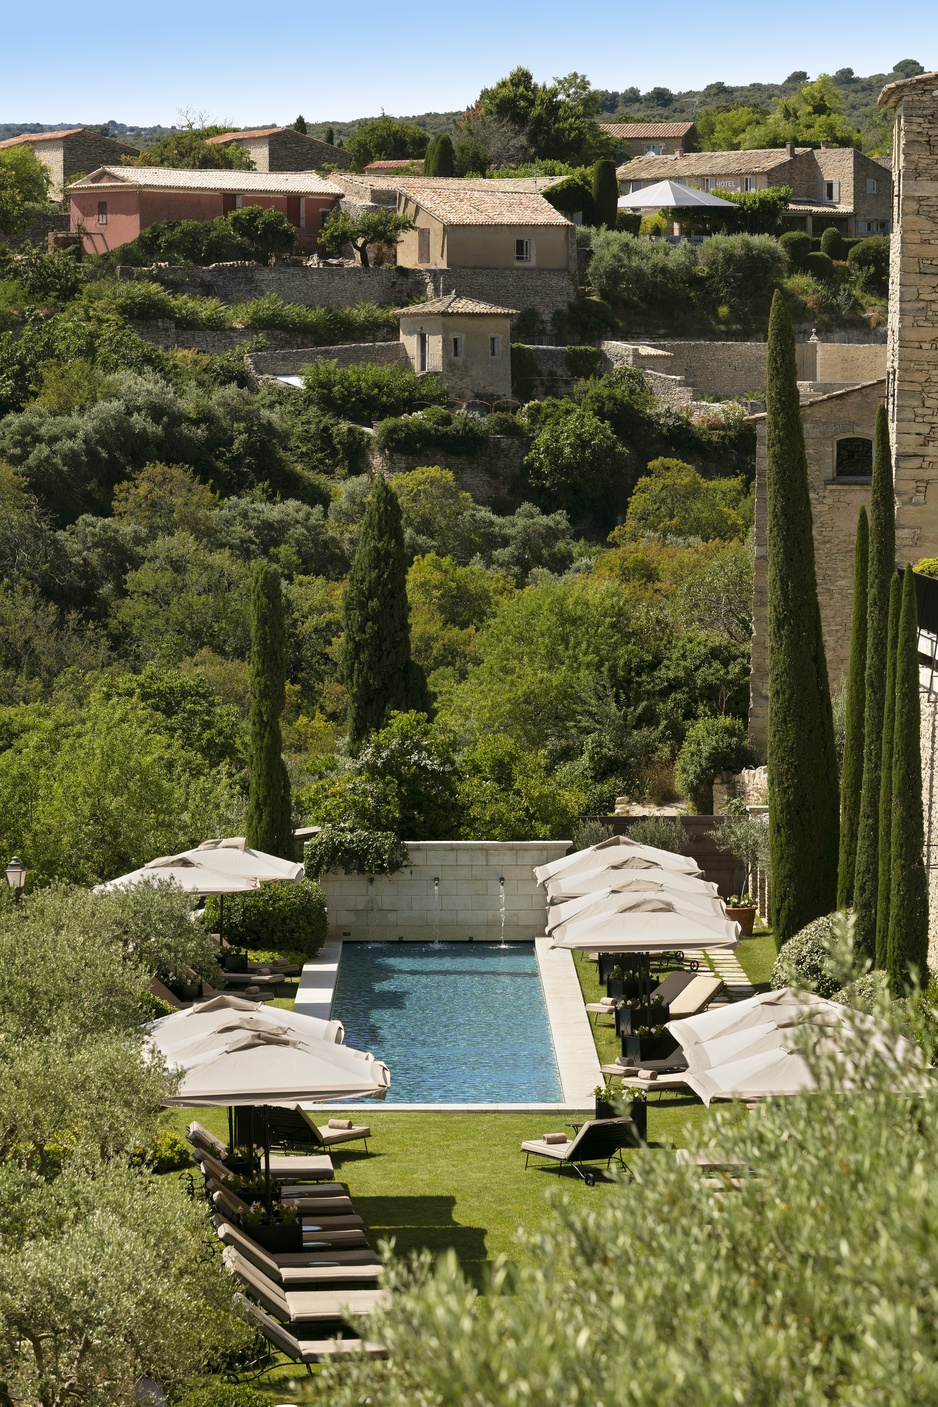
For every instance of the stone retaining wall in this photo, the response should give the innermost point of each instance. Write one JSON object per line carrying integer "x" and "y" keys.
{"x": 291, "y": 361}
{"x": 492, "y": 474}
{"x": 452, "y": 890}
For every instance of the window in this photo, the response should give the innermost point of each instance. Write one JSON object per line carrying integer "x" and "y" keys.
{"x": 523, "y": 251}
{"x": 830, "y": 192}
{"x": 102, "y": 212}
{"x": 853, "y": 457}
{"x": 457, "y": 347}
{"x": 495, "y": 346}
{"x": 423, "y": 246}
{"x": 653, "y": 148}
{"x": 871, "y": 185}
{"x": 423, "y": 342}
{"x": 749, "y": 183}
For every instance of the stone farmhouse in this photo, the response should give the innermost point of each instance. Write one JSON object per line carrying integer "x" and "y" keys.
{"x": 113, "y": 204}
{"x": 831, "y": 185}
{"x": 70, "y": 153}
{"x": 467, "y": 224}
{"x": 650, "y": 138}
{"x": 283, "y": 149}
{"x": 466, "y": 342}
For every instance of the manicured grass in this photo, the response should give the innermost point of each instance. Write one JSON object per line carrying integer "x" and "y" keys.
{"x": 757, "y": 958}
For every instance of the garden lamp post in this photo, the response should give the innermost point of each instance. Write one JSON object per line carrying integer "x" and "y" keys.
{"x": 16, "y": 876}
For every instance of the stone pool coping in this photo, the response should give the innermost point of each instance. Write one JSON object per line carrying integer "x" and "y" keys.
{"x": 572, "y": 1037}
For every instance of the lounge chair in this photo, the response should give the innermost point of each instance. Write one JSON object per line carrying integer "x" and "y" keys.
{"x": 198, "y": 1134}
{"x": 302, "y": 1306}
{"x": 598, "y": 1141}
{"x": 311, "y": 1269}
{"x": 262, "y": 977}
{"x": 282, "y": 1165}
{"x": 606, "y": 1006}
{"x": 211, "y": 1168}
{"x": 337, "y": 1228}
{"x": 330, "y": 1199}
{"x": 696, "y": 995}
{"x": 327, "y": 1136}
{"x": 293, "y": 1128}
{"x": 306, "y": 1351}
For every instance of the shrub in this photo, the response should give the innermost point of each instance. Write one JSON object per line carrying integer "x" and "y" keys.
{"x": 803, "y": 960}
{"x": 833, "y": 244}
{"x": 590, "y": 833}
{"x": 283, "y": 916}
{"x": 433, "y": 429}
{"x": 226, "y": 1395}
{"x": 865, "y": 992}
{"x": 926, "y": 566}
{"x": 502, "y": 422}
{"x": 169, "y": 1152}
{"x": 582, "y": 362}
{"x": 712, "y": 745}
{"x": 354, "y": 851}
{"x": 664, "y": 832}
{"x": 868, "y": 261}
{"x": 367, "y": 393}
{"x": 819, "y": 266}
{"x": 796, "y": 246}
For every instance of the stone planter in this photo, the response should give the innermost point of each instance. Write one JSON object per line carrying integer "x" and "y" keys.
{"x": 746, "y": 919}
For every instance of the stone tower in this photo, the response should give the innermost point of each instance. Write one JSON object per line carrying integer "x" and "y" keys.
{"x": 912, "y": 357}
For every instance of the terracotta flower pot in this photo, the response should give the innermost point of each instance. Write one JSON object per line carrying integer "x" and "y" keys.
{"x": 746, "y": 919}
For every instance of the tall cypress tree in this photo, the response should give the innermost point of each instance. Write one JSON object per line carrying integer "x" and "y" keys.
{"x": 605, "y": 193}
{"x": 882, "y": 567}
{"x": 376, "y": 666}
{"x": 440, "y": 157}
{"x": 802, "y": 763}
{"x": 907, "y": 946}
{"x": 851, "y": 774}
{"x": 884, "y": 877}
{"x": 269, "y": 824}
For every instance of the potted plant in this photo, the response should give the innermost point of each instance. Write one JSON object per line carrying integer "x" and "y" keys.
{"x": 282, "y": 1234}
{"x": 615, "y": 982}
{"x": 631, "y": 1019}
{"x": 234, "y": 962}
{"x": 649, "y": 1043}
{"x": 741, "y": 909}
{"x": 605, "y": 1109}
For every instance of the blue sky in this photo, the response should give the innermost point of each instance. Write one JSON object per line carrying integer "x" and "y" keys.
{"x": 251, "y": 63}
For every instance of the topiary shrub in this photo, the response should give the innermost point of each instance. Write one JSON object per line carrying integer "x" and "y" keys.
{"x": 819, "y": 266}
{"x": 803, "y": 961}
{"x": 282, "y": 916}
{"x": 868, "y": 261}
{"x": 796, "y": 246}
{"x": 711, "y": 746}
{"x": 833, "y": 244}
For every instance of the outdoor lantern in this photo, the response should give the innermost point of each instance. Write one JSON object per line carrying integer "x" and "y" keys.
{"x": 16, "y": 875}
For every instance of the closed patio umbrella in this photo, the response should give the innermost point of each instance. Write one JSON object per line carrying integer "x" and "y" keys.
{"x": 621, "y": 877}
{"x": 176, "y": 1032}
{"x": 645, "y": 923}
{"x": 185, "y": 874}
{"x": 620, "y": 849}
{"x": 234, "y": 856}
{"x": 605, "y": 901}
{"x": 670, "y": 195}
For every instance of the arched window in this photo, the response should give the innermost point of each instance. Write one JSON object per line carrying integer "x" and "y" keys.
{"x": 853, "y": 457}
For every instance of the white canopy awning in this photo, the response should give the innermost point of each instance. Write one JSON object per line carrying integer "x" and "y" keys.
{"x": 621, "y": 850}
{"x": 671, "y": 195}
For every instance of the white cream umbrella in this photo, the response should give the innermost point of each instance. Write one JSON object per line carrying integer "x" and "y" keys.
{"x": 623, "y": 878}
{"x": 234, "y": 856}
{"x": 184, "y": 874}
{"x": 644, "y": 923}
{"x": 261, "y": 1068}
{"x": 611, "y": 901}
{"x": 785, "y": 1006}
{"x": 757, "y": 1076}
{"x": 671, "y": 195}
{"x": 616, "y": 848}
{"x": 176, "y": 1032}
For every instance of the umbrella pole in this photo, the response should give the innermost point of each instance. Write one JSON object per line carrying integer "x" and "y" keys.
{"x": 267, "y": 1160}
{"x": 231, "y": 1135}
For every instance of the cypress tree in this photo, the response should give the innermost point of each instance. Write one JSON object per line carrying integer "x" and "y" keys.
{"x": 851, "y": 774}
{"x": 329, "y": 136}
{"x": 605, "y": 193}
{"x": 885, "y": 784}
{"x": 376, "y": 666}
{"x": 440, "y": 158}
{"x": 802, "y": 763}
{"x": 269, "y": 824}
{"x": 882, "y": 568}
{"x": 907, "y": 946}
{"x": 300, "y": 125}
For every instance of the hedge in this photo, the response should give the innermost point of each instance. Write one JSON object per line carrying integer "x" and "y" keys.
{"x": 282, "y": 916}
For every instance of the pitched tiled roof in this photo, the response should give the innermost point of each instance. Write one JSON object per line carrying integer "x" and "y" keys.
{"x": 25, "y": 137}
{"x": 637, "y": 130}
{"x": 240, "y": 182}
{"x": 452, "y": 303}
{"x": 233, "y": 136}
{"x": 480, "y": 203}
{"x": 704, "y": 163}
{"x": 414, "y": 163}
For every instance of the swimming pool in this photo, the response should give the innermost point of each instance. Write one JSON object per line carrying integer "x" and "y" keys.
{"x": 458, "y": 1023}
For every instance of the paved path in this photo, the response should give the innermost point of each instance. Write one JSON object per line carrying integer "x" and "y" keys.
{"x": 727, "y": 965}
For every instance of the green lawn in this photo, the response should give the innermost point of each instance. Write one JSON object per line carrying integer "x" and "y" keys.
{"x": 757, "y": 958}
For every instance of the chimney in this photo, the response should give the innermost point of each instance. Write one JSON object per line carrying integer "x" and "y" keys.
{"x": 790, "y": 148}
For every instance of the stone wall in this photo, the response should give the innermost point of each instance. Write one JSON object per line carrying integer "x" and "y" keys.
{"x": 163, "y": 332}
{"x": 340, "y": 286}
{"x": 291, "y": 361}
{"x": 492, "y": 475}
{"x": 452, "y": 890}
{"x": 835, "y": 506}
{"x": 844, "y": 361}
{"x": 722, "y": 369}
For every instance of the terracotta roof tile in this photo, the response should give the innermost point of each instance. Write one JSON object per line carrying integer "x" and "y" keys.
{"x": 233, "y": 136}
{"x": 414, "y": 164}
{"x": 480, "y": 203}
{"x": 637, "y": 130}
{"x": 25, "y": 137}
{"x": 453, "y": 303}
{"x": 704, "y": 163}
{"x": 241, "y": 182}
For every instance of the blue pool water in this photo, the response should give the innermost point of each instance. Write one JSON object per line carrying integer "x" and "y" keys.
{"x": 462, "y": 1023}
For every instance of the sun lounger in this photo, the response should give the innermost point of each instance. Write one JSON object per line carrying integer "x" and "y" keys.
{"x": 322, "y": 1268}
{"x": 327, "y": 1137}
{"x": 253, "y": 979}
{"x": 198, "y": 1134}
{"x": 598, "y": 1141}
{"x": 307, "y": 1350}
{"x": 697, "y": 995}
{"x": 211, "y": 1167}
{"x": 302, "y": 1306}
{"x": 311, "y": 1166}
{"x": 341, "y": 1228}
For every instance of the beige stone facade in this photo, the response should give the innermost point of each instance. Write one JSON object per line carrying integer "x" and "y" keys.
{"x": 464, "y": 224}
{"x": 284, "y": 149}
{"x": 838, "y": 431}
{"x": 69, "y": 154}
{"x": 467, "y": 344}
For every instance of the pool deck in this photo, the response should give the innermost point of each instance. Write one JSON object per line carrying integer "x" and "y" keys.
{"x": 577, "y": 1061}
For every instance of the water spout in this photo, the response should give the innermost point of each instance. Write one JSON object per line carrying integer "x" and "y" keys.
{"x": 436, "y": 915}
{"x": 501, "y": 911}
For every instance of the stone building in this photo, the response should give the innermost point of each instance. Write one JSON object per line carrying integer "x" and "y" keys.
{"x": 283, "y": 149}
{"x": 650, "y": 138}
{"x": 479, "y": 225}
{"x": 70, "y": 153}
{"x": 838, "y": 432}
{"x": 465, "y": 342}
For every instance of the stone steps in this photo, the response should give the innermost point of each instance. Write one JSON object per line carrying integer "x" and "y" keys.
{"x": 727, "y": 965}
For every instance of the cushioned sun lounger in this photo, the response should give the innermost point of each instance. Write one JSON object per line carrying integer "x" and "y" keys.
{"x": 312, "y": 1269}
{"x": 307, "y": 1350}
{"x": 697, "y": 995}
{"x": 600, "y": 1140}
{"x": 211, "y": 1167}
{"x": 302, "y": 1306}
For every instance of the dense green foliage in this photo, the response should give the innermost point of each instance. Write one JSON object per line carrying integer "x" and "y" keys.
{"x": 884, "y": 866}
{"x": 803, "y": 799}
{"x": 269, "y": 824}
{"x": 804, "y": 960}
{"x": 907, "y": 940}
{"x": 191, "y": 150}
{"x": 385, "y": 139}
{"x": 440, "y": 158}
{"x": 711, "y": 746}
{"x": 250, "y": 233}
{"x": 372, "y": 227}
{"x": 287, "y": 917}
{"x": 851, "y": 772}
{"x": 24, "y": 181}
{"x": 882, "y": 569}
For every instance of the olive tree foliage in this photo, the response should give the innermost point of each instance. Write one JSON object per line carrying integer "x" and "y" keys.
{"x": 807, "y": 1284}
{"x": 24, "y": 182}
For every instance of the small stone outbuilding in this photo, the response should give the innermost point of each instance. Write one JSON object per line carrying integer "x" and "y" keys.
{"x": 650, "y": 138}
{"x": 70, "y": 153}
{"x": 283, "y": 149}
{"x": 465, "y": 342}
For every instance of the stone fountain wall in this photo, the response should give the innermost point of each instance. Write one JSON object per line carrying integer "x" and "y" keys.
{"x": 452, "y": 890}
